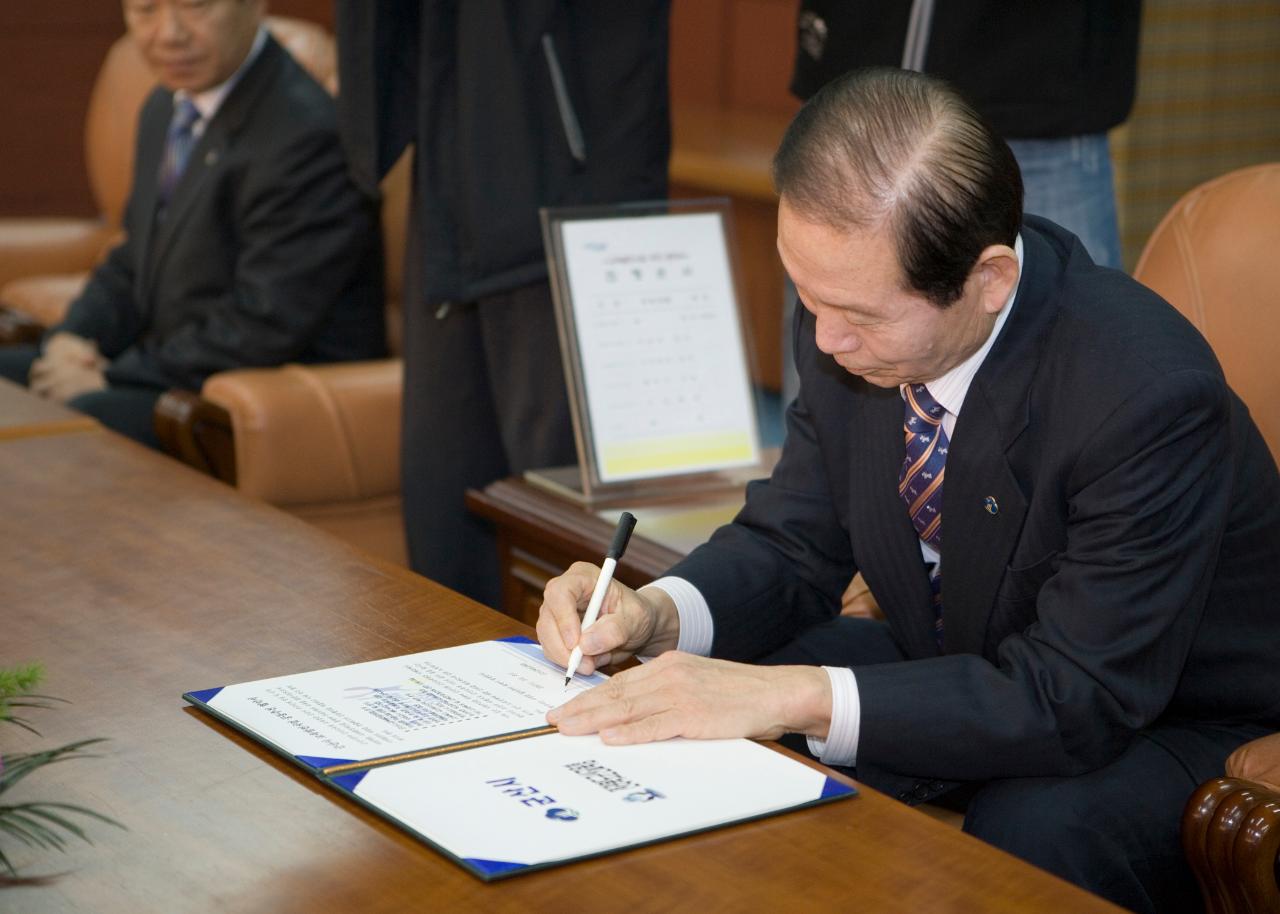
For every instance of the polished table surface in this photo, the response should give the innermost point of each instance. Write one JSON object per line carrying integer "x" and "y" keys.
{"x": 133, "y": 579}
{"x": 23, "y": 414}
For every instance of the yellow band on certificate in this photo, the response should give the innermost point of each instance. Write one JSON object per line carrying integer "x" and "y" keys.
{"x": 676, "y": 453}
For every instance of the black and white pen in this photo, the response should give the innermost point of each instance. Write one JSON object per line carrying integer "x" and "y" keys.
{"x": 621, "y": 536}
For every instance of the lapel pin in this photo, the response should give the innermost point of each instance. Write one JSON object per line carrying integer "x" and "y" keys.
{"x": 992, "y": 506}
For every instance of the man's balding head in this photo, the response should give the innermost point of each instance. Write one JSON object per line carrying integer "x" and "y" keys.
{"x": 897, "y": 150}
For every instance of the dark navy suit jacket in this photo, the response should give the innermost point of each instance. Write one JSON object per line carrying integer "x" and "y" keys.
{"x": 266, "y": 253}
{"x": 1129, "y": 576}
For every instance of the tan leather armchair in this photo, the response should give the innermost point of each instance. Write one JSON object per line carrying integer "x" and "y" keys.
{"x": 1216, "y": 258}
{"x": 320, "y": 441}
{"x": 44, "y": 262}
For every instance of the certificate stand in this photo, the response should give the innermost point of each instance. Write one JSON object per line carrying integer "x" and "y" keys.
{"x": 657, "y": 360}
{"x": 567, "y": 482}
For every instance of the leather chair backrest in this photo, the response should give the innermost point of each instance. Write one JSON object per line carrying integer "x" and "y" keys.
{"x": 111, "y": 125}
{"x": 1216, "y": 258}
{"x": 311, "y": 46}
{"x": 396, "y": 188}
{"x": 124, "y": 82}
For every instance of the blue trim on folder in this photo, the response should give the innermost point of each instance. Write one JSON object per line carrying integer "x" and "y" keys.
{"x": 834, "y": 788}
{"x": 206, "y": 695}
{"x": 493, "y": 867}
{"x": 350, "y": 781}
{"x": 517, "y": 639}
{"x": 319, "y": 761}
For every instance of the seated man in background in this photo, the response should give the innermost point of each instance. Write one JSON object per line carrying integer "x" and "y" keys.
{"x": 246, "y": 243}
{"x": 1098, "y": 628}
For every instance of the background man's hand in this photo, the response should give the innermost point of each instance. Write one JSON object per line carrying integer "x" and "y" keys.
{"x": 65, "y": 346}
{"x": 629, "y": 621}
{"x": 69, "y": 366}
{"x": 680, "y": 694}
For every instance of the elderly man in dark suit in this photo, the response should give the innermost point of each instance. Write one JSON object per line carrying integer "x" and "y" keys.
{"x": 1097, "y": 630}
{"x": 246, "y": 243}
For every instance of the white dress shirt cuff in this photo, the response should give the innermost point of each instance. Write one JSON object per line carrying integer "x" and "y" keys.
{"x": 696, "y": 627}
{"x": 841, "y": 745}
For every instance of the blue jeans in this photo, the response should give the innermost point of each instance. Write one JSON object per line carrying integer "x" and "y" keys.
{"x": 1068, "y": 181}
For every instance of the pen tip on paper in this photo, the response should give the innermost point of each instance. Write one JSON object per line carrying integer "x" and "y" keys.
{"x": 567, "y": 679}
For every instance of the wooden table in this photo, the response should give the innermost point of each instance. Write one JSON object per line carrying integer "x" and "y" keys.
{"x": 133, "y": 579}
{"x": 22, "y": 415}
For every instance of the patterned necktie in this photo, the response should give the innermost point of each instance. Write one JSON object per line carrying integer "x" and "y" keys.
{"x": 177, "y": 148}
{"x": 920, "y": 481}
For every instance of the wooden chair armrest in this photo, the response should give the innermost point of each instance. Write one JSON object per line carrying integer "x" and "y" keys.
{"x": 16, "y": 327}
{"x": 1231, "y": 837}
{"x": 197, "y": 432}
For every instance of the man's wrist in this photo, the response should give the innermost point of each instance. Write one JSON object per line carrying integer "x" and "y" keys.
{"x": 805, "y": 700}
{"x": 696, "y": 628}
{"x": 665, "y": 619}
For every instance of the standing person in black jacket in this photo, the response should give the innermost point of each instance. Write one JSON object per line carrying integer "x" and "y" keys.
{"x": 513, "y": 105}
{"x": 1051, "y": 77}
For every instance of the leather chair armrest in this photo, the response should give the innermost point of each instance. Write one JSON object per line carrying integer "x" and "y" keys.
{"x": 857, "y": 600}
{"x": 30, "y": 247}
{"x": 43, "y": 300}
{"x": 309, "y": 434}
{"x": 196, "y": 432}
{"x": 1257, "y": 760}
{"x": 1231, "y": 833}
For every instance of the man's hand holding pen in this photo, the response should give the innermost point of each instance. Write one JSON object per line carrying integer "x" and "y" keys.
{"x": 630, "y": 622}
{"x": 676, "y": 694}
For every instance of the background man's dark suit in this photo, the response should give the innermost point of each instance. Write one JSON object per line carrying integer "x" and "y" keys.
{"x": 1125, "y": 584}
{"x": 266, "y": 252}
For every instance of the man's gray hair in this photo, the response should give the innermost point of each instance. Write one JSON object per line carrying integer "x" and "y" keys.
{"x": 901, "y": 150}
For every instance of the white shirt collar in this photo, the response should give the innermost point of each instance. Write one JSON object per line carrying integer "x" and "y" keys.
{"x": 950, "y": 389}
{"x": 210, "y": 100}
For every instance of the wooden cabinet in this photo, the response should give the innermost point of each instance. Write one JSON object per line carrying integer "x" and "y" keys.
{"x": 540, "y": 535}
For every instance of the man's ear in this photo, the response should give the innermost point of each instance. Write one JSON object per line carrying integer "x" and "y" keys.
{"x": 997, "y": 274}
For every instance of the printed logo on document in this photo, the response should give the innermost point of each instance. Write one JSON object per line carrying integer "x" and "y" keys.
{"x": 532, "y": 797}
{"x": 614, "y": 782}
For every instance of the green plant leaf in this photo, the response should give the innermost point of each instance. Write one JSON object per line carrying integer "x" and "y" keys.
{"x": 20, "y": 765}
{"x": 17, "y": 831}
{"x": 17, "y": 682}
{"x": 20, "y": 700}
{"x": 65, "y": 824}
{"x": 22, "y": 722}
{"x": 42, "y": 807}
{"x": 38, "y": 833}
{"x": 38, "y": 824}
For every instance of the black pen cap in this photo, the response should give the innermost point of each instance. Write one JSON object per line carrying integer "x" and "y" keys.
{"x": 622, "y": 535}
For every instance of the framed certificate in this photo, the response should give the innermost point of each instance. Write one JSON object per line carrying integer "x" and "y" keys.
{"x": 657, "y": 362}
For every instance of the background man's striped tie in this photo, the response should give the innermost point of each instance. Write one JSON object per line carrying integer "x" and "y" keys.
{"x": 181, "y": 138}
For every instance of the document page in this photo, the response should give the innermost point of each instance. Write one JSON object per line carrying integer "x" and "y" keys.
{"x": 385, "y": 707}
{"x": 505, "y": 808}
{"x": 661, "y": 346}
